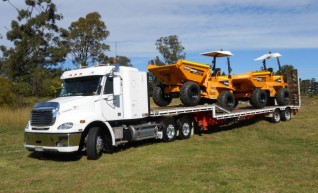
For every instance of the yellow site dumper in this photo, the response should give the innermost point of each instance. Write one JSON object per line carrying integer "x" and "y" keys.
{"x": 262, "y": 87}
{"x": 194, "y": 83}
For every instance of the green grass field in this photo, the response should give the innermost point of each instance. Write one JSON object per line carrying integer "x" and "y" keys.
{"x": 255, "y": 157}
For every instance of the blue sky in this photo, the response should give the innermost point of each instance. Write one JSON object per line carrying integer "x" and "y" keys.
{"x": 247, "y": 28}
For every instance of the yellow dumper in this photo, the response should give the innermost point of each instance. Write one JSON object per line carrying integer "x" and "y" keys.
{"x": 262, "y": 87}
{"x": 194, "y": 83}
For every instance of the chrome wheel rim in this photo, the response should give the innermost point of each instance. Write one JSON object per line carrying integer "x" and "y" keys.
{"x": 171, "y": 131}
{"x": 186, "y": 129}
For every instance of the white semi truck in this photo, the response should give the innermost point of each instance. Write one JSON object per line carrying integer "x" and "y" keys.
{"x": 105, "y": 106}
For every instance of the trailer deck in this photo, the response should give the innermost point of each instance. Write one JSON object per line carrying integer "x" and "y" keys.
{"x": 217, "y": 111}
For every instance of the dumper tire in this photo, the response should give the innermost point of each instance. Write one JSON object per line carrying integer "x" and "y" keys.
{"x": 259, "y": 98}
{"x": 95, "y": 143}
{"x": 159, "y": 98}
{"x": 190, "y": 94}
{"x": 226, "y": 99}
{"x": 283, "y": 96}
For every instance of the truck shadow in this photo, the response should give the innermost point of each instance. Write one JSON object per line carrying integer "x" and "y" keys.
{"x": 59, "y": 157}
{"x": 228, "y": 126}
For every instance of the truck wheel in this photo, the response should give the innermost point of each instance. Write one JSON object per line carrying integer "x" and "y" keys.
{"x": 185, "y": 127}
{"x": 190, "y": 94}
{"x": 226, "y": 100}
{"x": 286, "y": 114}
{"x": 276, "y": 116}
{"x": 258, "y": 99}
{"x": 95, "y": 143}
{"x": 159, "y": 97}
{"x": 169, "y": 130}
{"x": 283, "y": 96}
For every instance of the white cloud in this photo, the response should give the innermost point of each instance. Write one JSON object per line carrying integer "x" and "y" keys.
{"x": 200, "y": 25}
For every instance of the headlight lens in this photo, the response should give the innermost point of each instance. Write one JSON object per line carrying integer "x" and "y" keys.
{"x": 65, "y": 126}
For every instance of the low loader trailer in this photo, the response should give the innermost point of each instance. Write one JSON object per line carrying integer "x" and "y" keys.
{"x": 102, "y": 107}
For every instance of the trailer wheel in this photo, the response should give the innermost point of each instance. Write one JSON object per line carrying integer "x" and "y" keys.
{"x": 258, "y": 99}
{"x": 226, "y": 100}
{"x": 190, "y": 94}
{"x": 276, "y": 116}
{"x": 169, "y": 130}
{"x": 159, "y": 97}
{"x": 95, "y": 143}
{"x": 185, "y": 127}
{"x": 283, "y": 96}
{"x": 286, "y": 114}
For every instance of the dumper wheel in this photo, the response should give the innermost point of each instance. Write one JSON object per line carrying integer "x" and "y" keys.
{"x": 258, "y": 99}
{"x": 283, "y": 96}
{"x": 226, "y": 100}
{"x": 159, "y": 98}
{"x": 190, "y": 94}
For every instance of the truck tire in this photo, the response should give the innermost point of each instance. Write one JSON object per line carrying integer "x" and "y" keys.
{"x": 258, "y": 99}
{"x": 286, "y": 114}
{"x": 159, "y": 97}
{"x": 283, "y": 96}
{"x": 190, "y": 94}
{"x": 185, "y": 127}
{"x": 276, "y": 116}
{"x": 169, "y": 130}
{"x": 226, "y": 100}
{"x": 95, "y": 143}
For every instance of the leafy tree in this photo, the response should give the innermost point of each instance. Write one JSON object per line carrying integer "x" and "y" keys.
{"x": 37, "y": 45}
{"x": 286, "y": 71}
{"x": 121, "y": 60}
{"x": 170, "y": 48}
{"x": 86, "y": 38}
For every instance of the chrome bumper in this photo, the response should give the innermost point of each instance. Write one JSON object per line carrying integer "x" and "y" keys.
{"x": 66, "y": 142}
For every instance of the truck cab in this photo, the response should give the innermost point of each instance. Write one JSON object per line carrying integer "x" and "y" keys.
{"x": 95, "y": 97}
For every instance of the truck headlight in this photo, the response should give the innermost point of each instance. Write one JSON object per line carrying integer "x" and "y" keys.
{"x": 65, "y": 126}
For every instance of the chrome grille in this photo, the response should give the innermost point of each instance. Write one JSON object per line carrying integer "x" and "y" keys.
{"x": 42, "y": 117}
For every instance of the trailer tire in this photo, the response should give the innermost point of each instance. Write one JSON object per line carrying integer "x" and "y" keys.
{"x": 169, "y": 130}
{"x": 286, "y": 114}
{"x": 283, "y": 96}
{"x": 258, "y": 99}
{"x": 185, "y": 127}
{"x": 190, "y": 94}
{"x": 226, "y": 99}
{"x": 95, "y": 143}
{"x": 159, "y": 97}
{"x": 276, "y": 116}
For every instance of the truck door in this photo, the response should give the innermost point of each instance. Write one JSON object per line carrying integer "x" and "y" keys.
{"x": 112, "y": 102}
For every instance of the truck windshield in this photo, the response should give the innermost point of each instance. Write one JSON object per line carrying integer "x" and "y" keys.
{"x": 83, "y": 86}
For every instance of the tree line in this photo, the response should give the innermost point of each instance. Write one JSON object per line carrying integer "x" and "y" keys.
{"x": 29, "y": 68}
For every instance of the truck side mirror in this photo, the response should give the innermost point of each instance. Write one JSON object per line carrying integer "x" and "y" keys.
{"x": 117, "y": 86}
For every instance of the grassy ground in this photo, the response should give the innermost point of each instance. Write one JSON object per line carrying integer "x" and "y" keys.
{"x": 255, "y": 157}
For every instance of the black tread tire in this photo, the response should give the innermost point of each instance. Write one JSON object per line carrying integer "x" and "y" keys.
{"x": 94, "y": 151}
{"x": 286, "y": 114}
{"x": 283, "y": 96}
{"x": 259, "y": 98}
{"x": 159, "y": 98}
{"x": 276, "y": 116}
{"x": 226, "y": 99}
{"x": 169, "y": 130}
{"x": 185, "y": 126}
{"x": 190, "y": 94}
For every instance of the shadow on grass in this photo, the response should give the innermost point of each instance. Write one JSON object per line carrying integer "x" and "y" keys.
{"x": 62, "y": 157}
{"x": 231, "y": 125}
